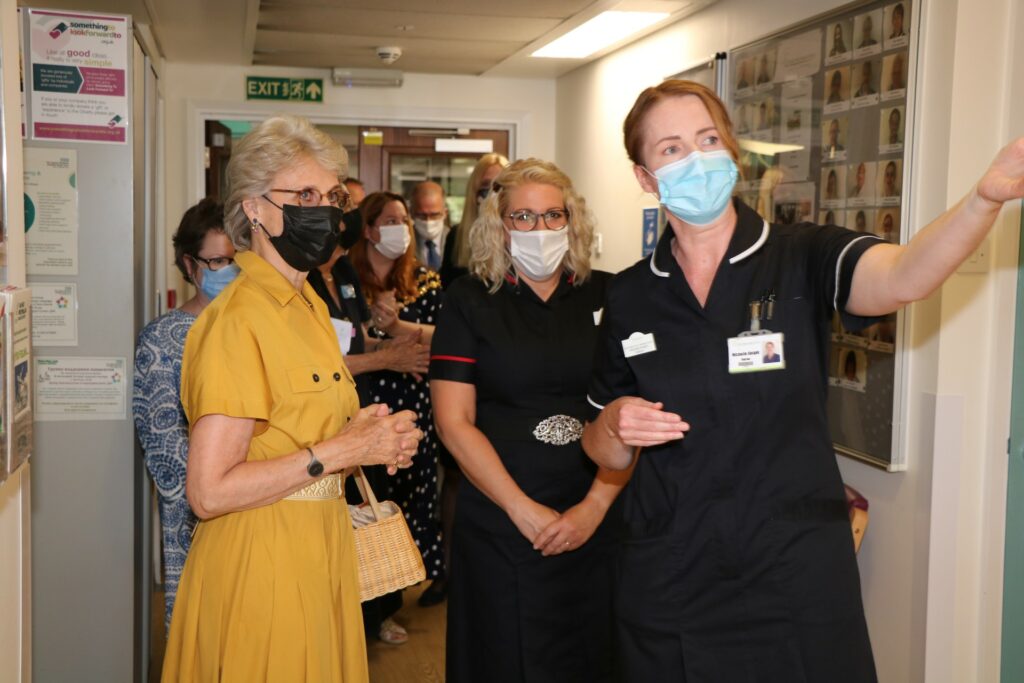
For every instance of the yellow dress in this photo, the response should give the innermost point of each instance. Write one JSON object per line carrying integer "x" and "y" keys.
{"x": 269, "y": 594}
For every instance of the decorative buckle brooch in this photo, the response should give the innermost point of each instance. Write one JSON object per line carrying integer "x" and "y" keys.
{"x": 559, "y": 430}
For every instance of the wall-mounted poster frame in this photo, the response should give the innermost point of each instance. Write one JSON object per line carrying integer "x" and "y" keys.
{"x": 823, "y": 111}
{"x": 709, "y": 72}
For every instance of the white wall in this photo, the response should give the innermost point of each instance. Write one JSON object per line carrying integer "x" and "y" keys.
{"x": 437, "y": 100}
{"x": 931, "y": 562}
{"x": 15, "y": 543}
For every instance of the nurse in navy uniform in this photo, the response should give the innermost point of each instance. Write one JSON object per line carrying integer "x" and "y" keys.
{"x": 530, "y": 584}
{"x": 739, "y": 563}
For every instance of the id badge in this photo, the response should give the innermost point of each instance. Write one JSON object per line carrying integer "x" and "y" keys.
{"x": 756, "y": 353}
{"x": 348, "y": 292}
{"x": 638, "y": 344}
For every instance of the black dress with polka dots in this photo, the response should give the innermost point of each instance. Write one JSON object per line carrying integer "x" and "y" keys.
{"x": 415, "y": 489}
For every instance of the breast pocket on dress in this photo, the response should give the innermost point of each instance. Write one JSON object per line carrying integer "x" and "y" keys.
{"x": 313, "y": 378}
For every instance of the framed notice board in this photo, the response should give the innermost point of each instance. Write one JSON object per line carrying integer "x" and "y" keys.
{"x": 822, "y": 112}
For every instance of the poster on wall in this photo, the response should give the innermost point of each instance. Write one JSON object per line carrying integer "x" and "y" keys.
{"x": 838, "y": 154}
{"x": 78, "y": 67}
{"x": 51, "y": 211}
{"x": 54, "y": 314}
{"x": 80, "y": 389}
{"x": 17, "y": 308}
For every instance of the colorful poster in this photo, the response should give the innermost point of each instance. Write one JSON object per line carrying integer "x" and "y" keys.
{"x": 54, "y": 314}
{"x": 51, "y": 211}
{"x": 78, "y": 68}
{"x": 80, "y": 389}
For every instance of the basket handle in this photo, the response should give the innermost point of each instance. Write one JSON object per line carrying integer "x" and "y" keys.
{"x": 366, "y": 491}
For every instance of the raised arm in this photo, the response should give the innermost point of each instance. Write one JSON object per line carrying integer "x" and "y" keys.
{"x": 888, "y": 277}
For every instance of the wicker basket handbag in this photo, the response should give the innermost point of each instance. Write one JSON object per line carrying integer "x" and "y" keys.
{"x": 388, "y": 557}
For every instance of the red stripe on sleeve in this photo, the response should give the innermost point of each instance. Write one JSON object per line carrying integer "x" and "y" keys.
{"x": 457, "y": 359}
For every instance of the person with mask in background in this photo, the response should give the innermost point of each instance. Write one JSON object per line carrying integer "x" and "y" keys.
{"x": 337, "y": 283}
{"x": 205, "y": 257}
{"x": 405, "y": 297}
{"x": 356, "y": 191}
{"x": 430, "y": 224}
{"x": 532, "y": 554}
{"x": 739, "y": 563}
{"x": 270, "y": 590}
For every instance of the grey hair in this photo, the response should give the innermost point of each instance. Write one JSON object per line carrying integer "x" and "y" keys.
{"x": 274, "y": 145}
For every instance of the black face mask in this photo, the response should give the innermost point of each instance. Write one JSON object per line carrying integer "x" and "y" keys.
{"x": 309, "y": 236}
{"x": 352, "y": 227}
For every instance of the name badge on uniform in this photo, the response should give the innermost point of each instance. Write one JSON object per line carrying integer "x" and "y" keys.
{"x": 597, "y": 316}
{"x": 344, "y": 330}
{"x": 638, "y": 343}
{"x": 756, "y": 353}
{"x": 348, "y": 292}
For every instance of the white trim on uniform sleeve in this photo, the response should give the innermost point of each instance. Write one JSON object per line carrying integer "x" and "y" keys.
{"x": 839, "y": 266}
{"x": 594, "y": 403}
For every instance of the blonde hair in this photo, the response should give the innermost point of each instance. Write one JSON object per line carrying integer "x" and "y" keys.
{"x": 490, "y": 259}
{"x": 460, "y": 253}
{"x": 274, "y": 145}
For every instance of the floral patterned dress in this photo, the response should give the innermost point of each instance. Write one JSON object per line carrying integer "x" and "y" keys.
{"x": 415, "y": 489}
{"x": 163, "y": 432}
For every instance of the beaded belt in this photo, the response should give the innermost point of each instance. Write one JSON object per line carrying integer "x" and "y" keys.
{"x": 325, "y": 488}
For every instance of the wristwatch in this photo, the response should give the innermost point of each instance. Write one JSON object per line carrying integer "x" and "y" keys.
{"x": 315, "y": 468}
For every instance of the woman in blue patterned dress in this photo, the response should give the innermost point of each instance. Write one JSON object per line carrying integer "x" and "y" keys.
{"x": 204, "y": 255}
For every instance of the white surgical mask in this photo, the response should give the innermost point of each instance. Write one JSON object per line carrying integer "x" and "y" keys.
{"x": 537, "y": 254}
{"x": 429, "y": 230}
{"x": 394, "y": 240}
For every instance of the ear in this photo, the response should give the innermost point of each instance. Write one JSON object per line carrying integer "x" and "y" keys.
{"x": 647, "y": 182}
{"x": 250, "y": 207}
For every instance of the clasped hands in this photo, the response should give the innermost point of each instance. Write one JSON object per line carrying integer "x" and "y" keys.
{"x": 374, "y": 437}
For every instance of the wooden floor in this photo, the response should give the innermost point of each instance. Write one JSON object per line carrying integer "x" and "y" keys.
{"x": 421, "y": 660}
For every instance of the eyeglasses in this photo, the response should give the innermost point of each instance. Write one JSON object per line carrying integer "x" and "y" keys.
{"x": 310, "y": 196}
{"x": 215, "y": 263}
{"x": 525, "y": 220}
{"x": 431, "y": 216}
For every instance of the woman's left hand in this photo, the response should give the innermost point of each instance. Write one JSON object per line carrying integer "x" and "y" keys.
{"x": 1004, "y": 179}
{"x": 571, "y": 530}
{"x": 385, "y": 311}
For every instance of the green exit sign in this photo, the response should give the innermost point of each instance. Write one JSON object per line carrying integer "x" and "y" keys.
{"x": 284, "y": 89}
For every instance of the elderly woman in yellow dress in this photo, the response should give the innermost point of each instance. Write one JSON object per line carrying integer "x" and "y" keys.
{"x": 270, "y": 589}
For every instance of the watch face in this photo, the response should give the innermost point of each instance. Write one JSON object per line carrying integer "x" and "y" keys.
{"x": 315, "y": 468}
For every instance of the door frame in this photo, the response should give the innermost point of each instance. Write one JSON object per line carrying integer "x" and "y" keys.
{"x": 517, "y": 123}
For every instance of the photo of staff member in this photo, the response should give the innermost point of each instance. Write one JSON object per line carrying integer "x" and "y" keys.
{"x": 883, "y": 331}
{"x": 837, "y": 40}
{"x": 770, "y": 354}
{"x": 831, "y": 217}
{"x": 890, "y": 129}
{"x": 853, "y": 368}
{"x": 888, "y": 225}
{"x": 894, "y": 73}
{"x": 865, "y": 30}
{"x": 896, "y": 22}
{"x": 833, "y": 186}
{"x": 833, "y": 144}
{"x": 766, "y": 67}
{"x": 744, "y": 79}
{"x": 890, "y": 181}
{"x": 838, "y": 85}
{"x": 862, "y": 183}
{"x": 866, "y": 79}
{"x": 795, "y": 119}
{"x": 860, "y": 220}
{"x": 765, "y": 114}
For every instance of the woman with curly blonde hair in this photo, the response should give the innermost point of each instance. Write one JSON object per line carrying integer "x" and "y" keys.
{"x": 529, "y": 588}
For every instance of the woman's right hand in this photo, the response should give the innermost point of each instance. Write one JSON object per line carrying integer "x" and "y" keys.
{"x": 408, "y": 354}
{"x": 636, "y": 422}
{"x": 373, "y": 437}
{"x": 530, "y": 517}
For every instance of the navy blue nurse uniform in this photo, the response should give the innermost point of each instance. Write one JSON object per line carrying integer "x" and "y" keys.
{"x": 739, "y": 563}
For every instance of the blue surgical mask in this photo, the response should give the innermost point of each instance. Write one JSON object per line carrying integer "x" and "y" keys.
{"x": 213, "y": 282}
{"x": 697, "y": 189}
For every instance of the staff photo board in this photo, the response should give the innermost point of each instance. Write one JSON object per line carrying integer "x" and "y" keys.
{"x": 821, "y": 112}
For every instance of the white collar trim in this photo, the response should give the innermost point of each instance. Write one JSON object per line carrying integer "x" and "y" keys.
{"x": 753, "y": 248}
